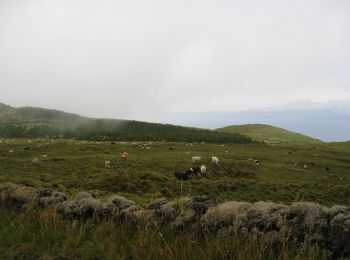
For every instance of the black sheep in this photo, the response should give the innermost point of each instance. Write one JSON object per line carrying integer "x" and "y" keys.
{"x": 196, "y": 170}
{"x": 182, "y": 176}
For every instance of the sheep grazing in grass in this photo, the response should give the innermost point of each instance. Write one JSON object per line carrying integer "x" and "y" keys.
{"x": 196, "y": 170}
{"x": 215, "y": 160}
{"x": 257, "y": 162}
{"x": 36, "y": 162}
{"x": 125, "y": 156}
{"x": 184, "y": 175}
{"x": 305, "y": 166}
{"x": 108, "y": 164}
{"x": 196, "y": 159}
{"x": 199, "y": 170}
{"x": 226, "y": 151}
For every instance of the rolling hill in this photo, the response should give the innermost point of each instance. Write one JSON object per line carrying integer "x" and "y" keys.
{"x": 31, "y": 122}
{"x": 267, "y": 133}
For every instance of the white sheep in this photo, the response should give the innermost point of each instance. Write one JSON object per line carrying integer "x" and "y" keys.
{"x": 125, "y": 156}
{"x": 215, "y": 160}
{"x": 108, "y": 164}
{"x": 36, "y": 162}
{"x": 196, "y": 159}
{"x": 203, "y": 169}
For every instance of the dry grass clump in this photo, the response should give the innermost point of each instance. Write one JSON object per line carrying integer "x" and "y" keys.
{"x": 85, "y": 206}
{"x": 24, "y": 197}
{"x": 302, "y": 221}
{"x": 276, "y": 224}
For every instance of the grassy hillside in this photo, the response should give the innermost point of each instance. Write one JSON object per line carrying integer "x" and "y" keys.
{"x": 267, "y": 133}
{"x": 71, "y": 166}
{"x": 31, "y": 122}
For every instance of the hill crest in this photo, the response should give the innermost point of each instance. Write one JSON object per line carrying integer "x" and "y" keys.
{"x": 267, "y": 133}
{"x": 28, "y": 122}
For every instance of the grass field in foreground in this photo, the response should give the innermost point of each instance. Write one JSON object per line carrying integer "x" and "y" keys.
{"x": 44, "y": 235}
{"x": 71, "y": 166}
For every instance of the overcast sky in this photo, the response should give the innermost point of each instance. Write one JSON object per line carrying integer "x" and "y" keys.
{"x": 143, "y": 59}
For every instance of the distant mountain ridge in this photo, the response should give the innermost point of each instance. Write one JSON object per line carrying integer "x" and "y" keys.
{"x": 40, "y": 122}
{"x": 326, "y": 124}
{"x": 34, "y": 113}
{"x": 267, "y": 133}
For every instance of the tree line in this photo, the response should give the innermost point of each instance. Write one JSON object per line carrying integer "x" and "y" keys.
{"x": 118, "y": 130}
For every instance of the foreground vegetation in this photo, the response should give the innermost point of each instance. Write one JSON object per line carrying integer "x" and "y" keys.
{"x": 44, "y": 234}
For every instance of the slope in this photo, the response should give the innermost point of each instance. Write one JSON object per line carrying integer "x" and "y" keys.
{"x": 267, "y": 133}
{"x": 32, "y": 122}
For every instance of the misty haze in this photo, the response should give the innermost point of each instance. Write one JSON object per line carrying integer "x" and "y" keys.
{"x": 174, "y": 129}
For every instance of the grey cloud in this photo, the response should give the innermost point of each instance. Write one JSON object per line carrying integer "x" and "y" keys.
{"x": 143, "y": 59}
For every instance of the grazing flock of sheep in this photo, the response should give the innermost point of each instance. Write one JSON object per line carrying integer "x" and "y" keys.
{"x": 186, "y": 175}
{"x": 198, "y": 171}
{"x": 329, "y": 227}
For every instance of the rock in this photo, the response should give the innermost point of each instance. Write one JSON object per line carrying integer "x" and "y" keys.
{"x": 168, "y": 212}
{"x": 142, "y": 217}
{"x": 23, "y": 197}
{"x": 85, "y": 206}
{"x": 200, "y": 204}
{"x": 91, "y": 207}
{"x": 339, "y": 235}
{"x": 84, "y": 195}
{"x": 226, "y": 214}
{"x": 184, "y": 219}
{"x": 120, "y": 202}
{"x": 305, "y": 218}
{"x": 156, "y": 204}
{"x": 265, "y": 216}
{"x": 6, "y": 189}
{"x": 48, "y": 197}
{"x": 45, "y": 192}
{"x": 126, "y": 213}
